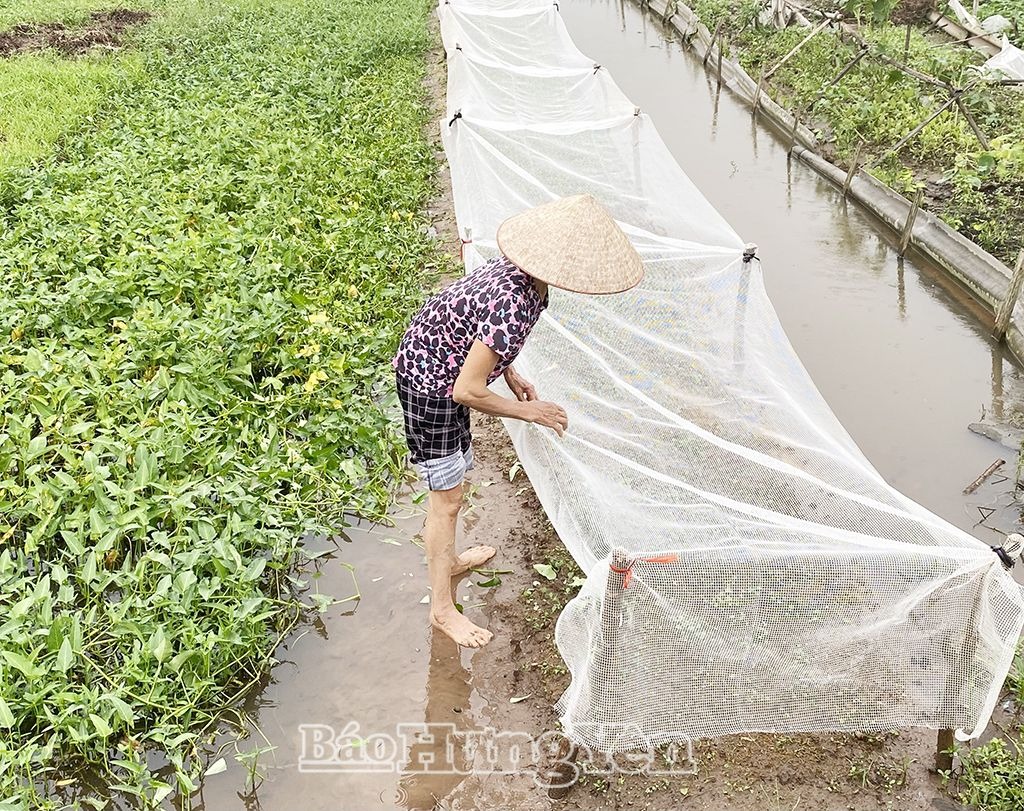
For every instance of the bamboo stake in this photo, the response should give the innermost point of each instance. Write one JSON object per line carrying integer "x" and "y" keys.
{"x": 908, "y": 226}
{"x": 793, "y": 134}
{"x": 800, "y": 45}
{"x": 1005, "y": 310}
{"x": 757, "y": 93}
{"x": 849, "y": 66}
{"x": 711, "y": 45}
{"x": 944, "y": 751}
{"x": 923, "y": 77}
{"x": 906, "y": 44}
{"x": 854, "y": 168}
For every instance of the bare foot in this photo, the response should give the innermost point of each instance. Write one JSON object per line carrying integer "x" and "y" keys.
{"x": 471, "y": 558}
{"x": 461, "y": 630}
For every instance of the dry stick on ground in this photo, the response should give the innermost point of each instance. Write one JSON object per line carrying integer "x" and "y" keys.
{"x": 1006, "y": 306}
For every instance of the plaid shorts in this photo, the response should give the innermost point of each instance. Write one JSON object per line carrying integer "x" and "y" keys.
{"x": 438, "y": 435}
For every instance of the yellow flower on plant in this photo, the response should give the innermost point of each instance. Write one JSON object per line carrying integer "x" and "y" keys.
{"x": 353, "y": 291}
{"x": 318, "y": 318}
{"x": 308, "y": 350}
{"x": 16, "y": 333}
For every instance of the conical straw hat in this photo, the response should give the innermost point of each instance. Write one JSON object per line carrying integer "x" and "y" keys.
{"x": 572, "y": 243}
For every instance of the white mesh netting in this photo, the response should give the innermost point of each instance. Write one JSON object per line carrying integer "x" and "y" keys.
{"x": 789, "y": 588}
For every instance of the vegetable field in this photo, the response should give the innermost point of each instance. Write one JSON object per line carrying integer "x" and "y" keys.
{"x": 208, "y": 253}
{"x": 855, "y": 100}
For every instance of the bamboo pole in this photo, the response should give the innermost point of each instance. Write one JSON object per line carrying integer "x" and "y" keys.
{"x": 757, "y": 93}
{"x": 908, "y": 226}
{"x": 854, "y": 168}
{"x": 1005, "y": 310}
{"x": 944, "y": 751}
{"x": 711, "y": 45}
{"x": 985, "y": 474}
{"x": 796, "y": 48}
{"x": 793, "y": 134}
{"x": 906, "y": 43}
{"x": 972, "y": 123}
{"x": 849, "y": 66}
{"x": 923, "y": 77}
{"x": 903, "y": 141}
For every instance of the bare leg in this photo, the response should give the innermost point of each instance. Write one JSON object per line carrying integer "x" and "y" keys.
{"x": 439, "y": 540}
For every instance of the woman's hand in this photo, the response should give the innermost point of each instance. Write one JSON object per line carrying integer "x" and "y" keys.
{"x": 521, "y": 388}
{"x": 471, "y": 390}
{"x": 547, "y": 414}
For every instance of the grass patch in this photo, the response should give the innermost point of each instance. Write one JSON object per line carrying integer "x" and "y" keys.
{"x": 44, "y": 95}
{"x": 202, "y": 293}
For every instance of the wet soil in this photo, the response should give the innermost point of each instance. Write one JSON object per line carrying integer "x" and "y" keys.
{"x": 102, "y": 29}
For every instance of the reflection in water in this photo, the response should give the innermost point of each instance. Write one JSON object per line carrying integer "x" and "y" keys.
{"x": 434, "y": 763}
{"x": 998, "y": 358}
{"x": 901, "y": 288}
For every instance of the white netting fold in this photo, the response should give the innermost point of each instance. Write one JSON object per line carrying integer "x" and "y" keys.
{"x": 748, "y": 569}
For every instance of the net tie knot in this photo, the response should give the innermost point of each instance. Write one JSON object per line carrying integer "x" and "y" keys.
{"x": 1008, "y": 549}
{"x": 456, "y": 117}
{"x": 627, "y": 570}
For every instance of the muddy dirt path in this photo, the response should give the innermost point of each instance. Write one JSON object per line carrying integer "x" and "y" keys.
{"x": 373, "y": 665}
{"x": 102, "y": 29}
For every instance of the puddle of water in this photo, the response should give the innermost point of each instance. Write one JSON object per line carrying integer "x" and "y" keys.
{"x": 373, "y": 663}
{"x": 901, "y": 354}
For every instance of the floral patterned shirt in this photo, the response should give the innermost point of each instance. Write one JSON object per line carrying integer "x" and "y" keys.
{"x": 497, "y": 304}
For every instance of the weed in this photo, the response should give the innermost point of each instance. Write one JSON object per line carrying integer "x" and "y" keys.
{"x": 990, "y": 777}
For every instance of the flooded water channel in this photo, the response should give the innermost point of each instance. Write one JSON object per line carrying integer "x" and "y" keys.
{"x": 900, "y": 353}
